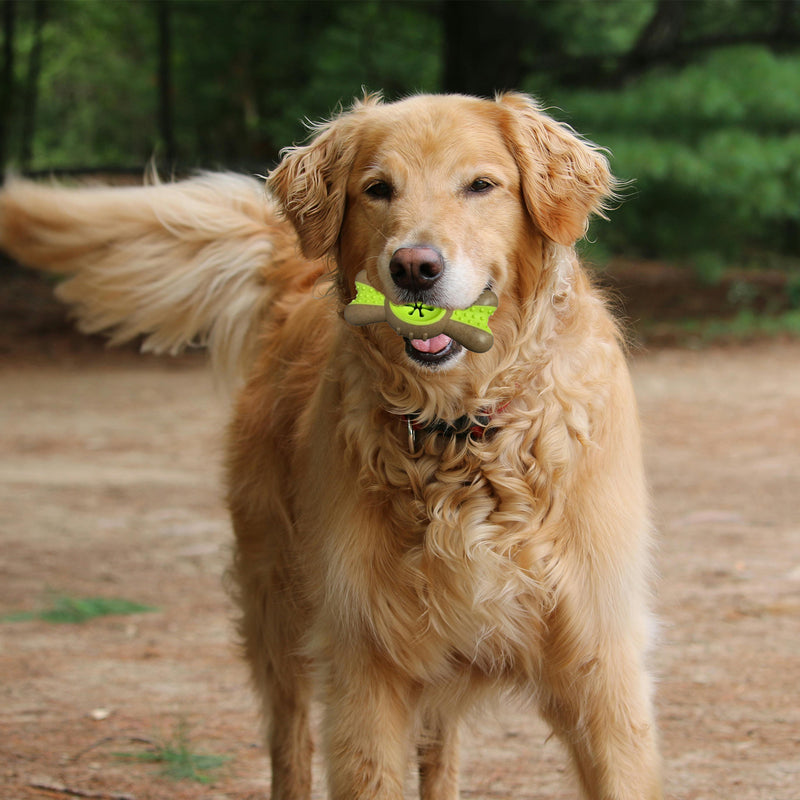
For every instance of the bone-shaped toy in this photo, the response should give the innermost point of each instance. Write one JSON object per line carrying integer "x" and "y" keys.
{"x": 468, "y": 326}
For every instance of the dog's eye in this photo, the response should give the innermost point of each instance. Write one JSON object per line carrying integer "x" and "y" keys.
{"x": 480, "y": 185}
{"x": 380, "y": 190}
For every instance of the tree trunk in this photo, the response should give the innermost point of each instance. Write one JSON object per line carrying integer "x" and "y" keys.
{"x": 7, "y": 83}
{"x": 30, "y": 96}
{"x": 483, "y": 42}
{"x": 165, "y": 126}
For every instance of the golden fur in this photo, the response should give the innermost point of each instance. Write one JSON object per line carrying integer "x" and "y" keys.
{"x": 407, "y": 586}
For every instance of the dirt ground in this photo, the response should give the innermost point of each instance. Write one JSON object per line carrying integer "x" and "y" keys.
{"x": 109, "y": 486}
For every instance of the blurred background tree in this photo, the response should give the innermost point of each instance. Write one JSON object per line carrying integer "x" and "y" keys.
{"x": 698, "y": 102}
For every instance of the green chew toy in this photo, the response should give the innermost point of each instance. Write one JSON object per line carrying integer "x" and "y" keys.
{"x": 468, "y": 326}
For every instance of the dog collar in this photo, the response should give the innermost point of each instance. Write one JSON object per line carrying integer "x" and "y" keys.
{"x": 465, "y": 427}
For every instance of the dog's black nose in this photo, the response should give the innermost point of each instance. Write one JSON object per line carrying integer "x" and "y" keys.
{"x": 416, "y": 268}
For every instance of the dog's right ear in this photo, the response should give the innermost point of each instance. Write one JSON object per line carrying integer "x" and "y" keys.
{"x": 311, "y": 182}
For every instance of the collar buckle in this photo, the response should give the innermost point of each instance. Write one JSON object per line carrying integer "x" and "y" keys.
{"x": 412, "y": 435}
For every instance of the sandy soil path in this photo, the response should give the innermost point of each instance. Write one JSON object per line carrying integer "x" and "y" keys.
{"x": 109, "y": 486}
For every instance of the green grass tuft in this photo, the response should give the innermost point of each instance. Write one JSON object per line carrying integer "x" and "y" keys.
{"x": 75, "y": 610}
{"x": 178, "y": 760}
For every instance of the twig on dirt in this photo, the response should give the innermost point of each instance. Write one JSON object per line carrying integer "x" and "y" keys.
{"x": 60, "y": 788}
{"x": 81, "y": 753}
{"x": 144, "y": 740}
{"x": 137, "y": 739}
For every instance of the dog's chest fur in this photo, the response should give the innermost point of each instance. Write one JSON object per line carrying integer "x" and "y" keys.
{"x": 455, "y": 569}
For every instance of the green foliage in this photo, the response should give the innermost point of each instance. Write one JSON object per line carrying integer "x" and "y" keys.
{"x": 179, "y": 762}
{"x": 745, "y": 326}
{"x": 370, "y": 45}
{"x": 707, "y": 133}
{"x": 793, "y": 291}
{"x": 586, "y": 27}
{"x": 96, "y": 103}
{"x": 747, "y": 85}
{"x": 75, "y": 610}
{"x": 714, "y": 157}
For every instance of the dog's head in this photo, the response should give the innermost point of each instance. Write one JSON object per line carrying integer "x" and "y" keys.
{"x": 439, "y": 197}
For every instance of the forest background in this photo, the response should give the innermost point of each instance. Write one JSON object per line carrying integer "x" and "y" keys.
{"x": 698, "y": 102}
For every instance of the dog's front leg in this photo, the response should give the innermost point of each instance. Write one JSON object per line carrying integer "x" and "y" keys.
{"x": 602, "y": 713}
{"x": 367, "y": 727}
{"x": 439, "y": 760}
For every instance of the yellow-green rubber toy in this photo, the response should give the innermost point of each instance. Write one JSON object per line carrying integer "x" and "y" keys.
{"x": 468, "y": 326}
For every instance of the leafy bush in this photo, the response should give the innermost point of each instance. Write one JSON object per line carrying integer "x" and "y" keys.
{"x": 713, "y": 157}
{"x": 707, "y": 133}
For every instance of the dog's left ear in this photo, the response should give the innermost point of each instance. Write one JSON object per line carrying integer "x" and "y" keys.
{"x": 564, "y": 178}
{"x": 311, "y": 180}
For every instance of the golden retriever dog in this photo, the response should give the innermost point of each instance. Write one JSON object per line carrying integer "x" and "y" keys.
{"x": 419, "y": 527}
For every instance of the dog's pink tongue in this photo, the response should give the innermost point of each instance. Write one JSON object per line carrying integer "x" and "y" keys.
{"x": 435, "y": 345}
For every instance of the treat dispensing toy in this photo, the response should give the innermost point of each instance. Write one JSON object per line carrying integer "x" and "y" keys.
{"x": 468, "y": 326}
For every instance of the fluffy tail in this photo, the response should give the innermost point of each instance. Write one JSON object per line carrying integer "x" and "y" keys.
{"x": 180, "y": 263}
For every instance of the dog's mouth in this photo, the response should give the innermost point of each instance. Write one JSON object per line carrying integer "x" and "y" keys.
{"x": 432, "y": 352}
